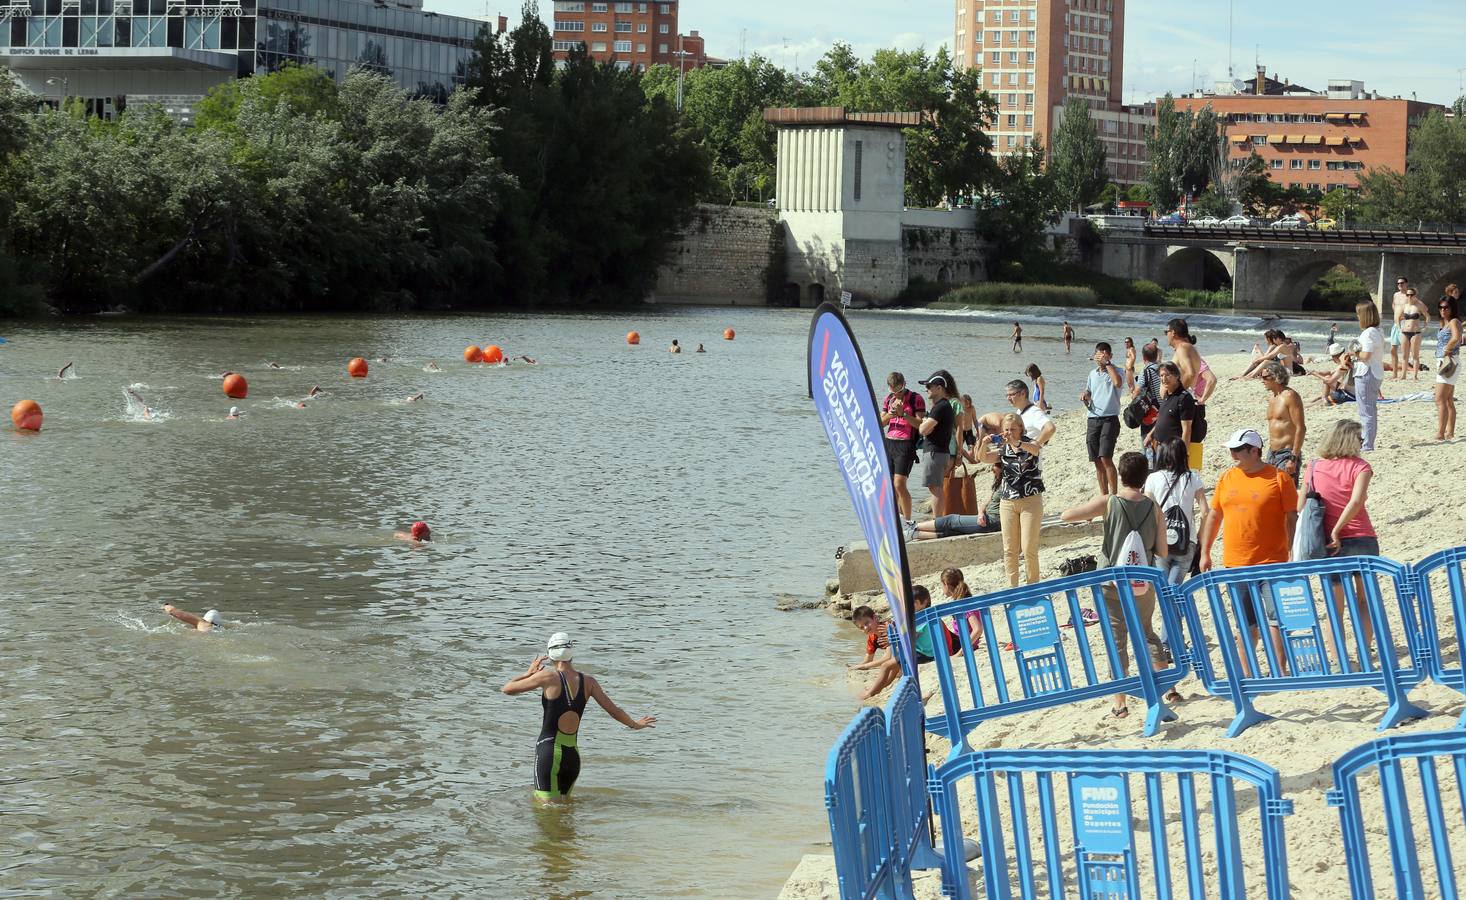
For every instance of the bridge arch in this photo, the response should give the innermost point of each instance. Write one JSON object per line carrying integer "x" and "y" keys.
{"x": 1299, "y": 279}
{"x": 1436, "y": 287}
{"x": 1196, "y": 268}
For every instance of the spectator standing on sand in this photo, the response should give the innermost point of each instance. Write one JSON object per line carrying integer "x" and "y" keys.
{"x": 1369, "y": 369}
{"x": 1447, "y": 367}
{"x": 1255, "y": 510}
{"x": 1040, "y": 387}
{"x": 1341, "y": 478}
{"x": 1130, "y": 363}
{"x": 1129, "y": 510}
{"x": 1017, "y": 338}
{"x": 1148, "y": 385}
{"x": 1022, "y": 506}
{"x": 936, "y": 434}
{"x": 1413, "y": 322}
{"x": 901, "y": 412}
{"x": 1179, "y": 492}
{"x": 1101, "y": 397}
{"x": 1196, "y": 377}
{"x": 1036, "y": 422}
{"x": 1285, "y": 425}
{"x": 1398, "y": 302}
{"x": 1068, "y": 338}
{"x": 1176, "y": 412}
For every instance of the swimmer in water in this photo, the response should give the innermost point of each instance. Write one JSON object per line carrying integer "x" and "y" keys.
{"x": 699, "y": 349}
{"x": 415, "y": 397}
{"x": 676, "y": 347}
{"x": 234, "y": 413}
{"x": 206, "y": 622}
{"x": 431, "y": 367}
{"x": 314, "y": 391}
{"x": 528, "y": 360}
{"x": 274, "y": 365}
{"x": 64, "y": 369}
{"x": 147, "y": 410}
{"x": 420, "y": 533}
{"x": 557, "y": 754}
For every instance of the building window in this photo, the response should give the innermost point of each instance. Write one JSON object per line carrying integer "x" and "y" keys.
{"x": 662, "y": 49}
{"x": 1028, "y": 122}
{"x": 598, "y": 47}
{"x": 641, "y": 28}
{"x": 1259, "y": 139}
{"x": 1029, "y": 77}
{"x": 664, "y": 8}
{"x": 859, "y": 158}
{"x": 568, "y": 25}
{"x": 622, "y": 47}
{"x": 598, "y": 26}
{"x": 1012, "y": 37}
{"x": 641, "y": 8}
{"x": 1012, "y": 57}
{"x": 623, "y": 7}
{"x": 1030, "y": 57}
{"x": 598, "y": 7}
{"x": 1013, "y": 16}
{"x": 1314, "y": 164}
{"x": 1012, "y": 99}
{"x": 1295, "y": 163}
{"x": 569, "y": 6}
{"x": 992, "y": 77}
{"x": 1012, "y": 78}
{"x": 997, "y": 58}
{"x": 1012, "y": 121}
{"x": 623, "y": 27}
{"x": 662, "y": 28}
{"x": 641, "y": 48}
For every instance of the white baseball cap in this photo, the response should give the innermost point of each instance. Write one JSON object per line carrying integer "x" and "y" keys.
{"x": 213, "y": 617}
{"x": 559, "y": 647}
{"x": 1336, "y": 349}
{"x": 1244, "y": 438}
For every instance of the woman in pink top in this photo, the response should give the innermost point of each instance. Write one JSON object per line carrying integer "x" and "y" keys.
{"x": 1341, "y": 477}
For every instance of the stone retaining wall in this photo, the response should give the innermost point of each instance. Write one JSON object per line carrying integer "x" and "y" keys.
{"x": 723, "y": 258}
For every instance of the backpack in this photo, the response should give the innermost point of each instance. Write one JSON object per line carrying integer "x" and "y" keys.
{"x": 1131, "y": 551}
{"x": 1178, "y": 528}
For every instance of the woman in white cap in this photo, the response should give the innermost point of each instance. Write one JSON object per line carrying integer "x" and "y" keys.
{"x": 557, "y": 756}
{"x": 206, "y": 622}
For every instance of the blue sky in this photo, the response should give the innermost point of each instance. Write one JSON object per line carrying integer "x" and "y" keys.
{"x": 1395, "y": 48}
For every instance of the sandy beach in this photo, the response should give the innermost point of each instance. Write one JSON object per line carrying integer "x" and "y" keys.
{"x": 1411, "y": 474}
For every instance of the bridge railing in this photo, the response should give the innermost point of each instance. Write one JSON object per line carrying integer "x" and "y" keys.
{"x": 1067, "y": 820}
{"x": 1431, "y": 235}
{"x": 1376, "y": 774}
{"x": 1048, "y": 665}
{"x": 1317, "y": 625}
{"x": 859, "y": 792}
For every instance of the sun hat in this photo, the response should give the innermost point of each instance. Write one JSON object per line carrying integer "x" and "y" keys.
{"x": 1244, "y": 438}
{"x": 1336, "y": 349}
{"x": 559, "y": 647}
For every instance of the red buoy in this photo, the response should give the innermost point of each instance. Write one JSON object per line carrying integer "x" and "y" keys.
{"x": 235, "y": 387}
{"x": 472, "y": 354}
{"x": 727, "y": 334}
{"x": 633, "y": 337}
{"x": 26, "y": 415}
{"x": 493, "y": 355}
{"x": 357, "y": 368}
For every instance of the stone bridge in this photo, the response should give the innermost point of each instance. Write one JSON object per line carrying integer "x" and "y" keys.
{"x": 1276, "y": 273}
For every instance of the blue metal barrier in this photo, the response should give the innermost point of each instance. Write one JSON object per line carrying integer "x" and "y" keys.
{"x": 1300, "y": 651}
{"x": 858, "y": 795}
{"x": 907, "y": 740}
{"x": 1040, "y": 673}
{"x": 1448, "y": 563}
{"x": 1389, "y": 755}
{"x": 1110, "y": 858}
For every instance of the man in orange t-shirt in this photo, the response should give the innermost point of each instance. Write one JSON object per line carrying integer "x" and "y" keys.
{"x": 1255, "y": 508}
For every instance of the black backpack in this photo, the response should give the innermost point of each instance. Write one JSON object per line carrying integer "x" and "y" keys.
{"x": 1178, "y": 529}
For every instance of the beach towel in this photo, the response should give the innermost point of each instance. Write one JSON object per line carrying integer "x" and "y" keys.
{"x": 1411, "y": 398}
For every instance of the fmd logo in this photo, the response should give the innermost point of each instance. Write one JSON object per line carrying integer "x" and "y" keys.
{"x": 1099, "y": 793}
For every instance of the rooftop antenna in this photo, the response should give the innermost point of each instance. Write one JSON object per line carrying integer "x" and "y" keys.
{"x": 1193, "y": 75}
{"x": 1230, "y": 9}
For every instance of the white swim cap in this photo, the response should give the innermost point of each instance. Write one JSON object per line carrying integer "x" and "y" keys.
{"x": 213, "y": 617}
{"x": 559, "y": 646}
{"x": 233, "y": 410}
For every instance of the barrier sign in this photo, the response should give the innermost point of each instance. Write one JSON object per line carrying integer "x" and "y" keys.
{"x": 1101, "y": 813}
{"x": 1033, "y": 625}
{"x": 1294, "y": 600}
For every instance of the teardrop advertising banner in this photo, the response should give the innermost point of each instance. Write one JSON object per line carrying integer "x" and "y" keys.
{"x": 842, "y": 394}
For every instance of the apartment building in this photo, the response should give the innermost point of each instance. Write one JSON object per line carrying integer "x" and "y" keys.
{"x": 629, "y": 34}
{"x": 1312, "y": 139}
{"x": 1036, "y": 54}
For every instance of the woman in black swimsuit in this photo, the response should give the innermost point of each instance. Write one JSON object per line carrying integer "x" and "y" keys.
{"x": 557, "y": 754}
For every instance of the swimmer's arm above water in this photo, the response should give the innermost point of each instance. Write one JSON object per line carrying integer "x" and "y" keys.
{"x": 186, "y": 617}
{"x": 616, "y": 712}
{"x": 534, "y": 678}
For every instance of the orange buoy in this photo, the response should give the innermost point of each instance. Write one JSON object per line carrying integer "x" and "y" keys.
{"x": 26, "y": 415}
{"x": 727, "y": 334}
{"x": 472, "y": 354}
{"x": 633, "y": 337}
{"x": 493, "y": 355}
{"x": 235, "y": 387}
{"x": 357, "y": 368}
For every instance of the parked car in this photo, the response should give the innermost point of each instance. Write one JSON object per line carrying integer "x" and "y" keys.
{"x": 1174, "y": 218}
{"x": 1293, "y": 221}
{"x": 1231, "y": 221}
{"x": 1206, "y": 222}
{"x": 1324, "y": 224}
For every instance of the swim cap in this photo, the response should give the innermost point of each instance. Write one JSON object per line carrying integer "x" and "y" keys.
{"x": 559, "y": 646}
{"x": 213, "y": 617}
{"x": 233, "y": 410}
{"x": 420, "y": 531}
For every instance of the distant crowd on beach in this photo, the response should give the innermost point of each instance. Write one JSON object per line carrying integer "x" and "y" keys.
{"x": 1156, "y": 508}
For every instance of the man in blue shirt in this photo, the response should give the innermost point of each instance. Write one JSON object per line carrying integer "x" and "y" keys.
{"x": 1102, "y": 398}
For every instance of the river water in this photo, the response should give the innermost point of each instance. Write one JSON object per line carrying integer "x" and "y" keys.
{"x": 348, "y": 736}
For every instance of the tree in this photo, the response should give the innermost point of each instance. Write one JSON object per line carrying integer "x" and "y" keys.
{"x": 1341, "y": 204}
{"x": 1077, "y": 159}
{"x": 1183, "y": 153}
{"x": 1433, "y": 186}
{"x": 1021, "y": 204}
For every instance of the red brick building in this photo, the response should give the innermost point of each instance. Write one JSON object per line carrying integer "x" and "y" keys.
{"x": 632, "y": 35}
{"x": 1313, "y": 139}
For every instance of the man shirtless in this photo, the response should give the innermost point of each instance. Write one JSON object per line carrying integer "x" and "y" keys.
{"x": 1285, "y": 425}
{"x": 1068, "y": 337}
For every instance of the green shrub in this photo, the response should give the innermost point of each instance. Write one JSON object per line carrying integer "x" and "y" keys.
{"x": 1199, "y": 299}
{"x": 920, "y": 292}
{"x": 1002, "y": 293}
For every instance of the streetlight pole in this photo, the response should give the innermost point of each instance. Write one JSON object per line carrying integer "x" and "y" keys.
{"x": 65, "y": 82}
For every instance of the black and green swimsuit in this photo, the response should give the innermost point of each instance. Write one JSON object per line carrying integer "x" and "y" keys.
{"x": 556, "y": 759}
